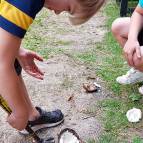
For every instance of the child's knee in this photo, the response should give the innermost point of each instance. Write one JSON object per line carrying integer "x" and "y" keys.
{"x": 18, "y": 121}
{"x": 116, "y": 26}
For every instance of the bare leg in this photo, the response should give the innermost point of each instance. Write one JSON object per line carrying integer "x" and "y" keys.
{"x": 33, "y": 113}
{"x": 120, "y": 29}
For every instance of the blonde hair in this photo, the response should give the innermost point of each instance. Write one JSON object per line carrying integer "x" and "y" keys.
{"x": 88, "y": 9}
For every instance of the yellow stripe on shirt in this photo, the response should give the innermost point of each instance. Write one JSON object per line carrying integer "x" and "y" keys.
{"x": 14, "y": 15}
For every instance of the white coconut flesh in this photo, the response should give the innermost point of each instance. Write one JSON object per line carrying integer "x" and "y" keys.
{"x": 68, "y": 137}
{"x": 134, "y": 115}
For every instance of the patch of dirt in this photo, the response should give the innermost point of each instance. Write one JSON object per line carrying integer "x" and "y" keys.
{"x": 62, "y": 86}
{"x": 81, "y": 36}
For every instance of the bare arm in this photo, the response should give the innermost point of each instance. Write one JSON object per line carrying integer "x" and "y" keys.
{"x": 136, "y": 24}
{"x": 10, "y": 87}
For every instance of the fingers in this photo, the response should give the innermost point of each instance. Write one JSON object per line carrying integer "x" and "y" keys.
{"x": 138, "y": 52}
{"x": 35, "y": 72}
{"x": 36, "y": 75}
{"x": 40, "y": 71}
{"x": 36, "y": 69}
{"x": 130, "y": 60}
{"x": 38, "y": 57}
{"x": 129, "y": 57}
{"x": 132, "y": 47}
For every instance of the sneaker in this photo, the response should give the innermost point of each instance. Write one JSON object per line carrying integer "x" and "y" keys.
{"x": 46, "y": 120}
{"x": 132, "y": 76}
{"x": 141, "y": 90}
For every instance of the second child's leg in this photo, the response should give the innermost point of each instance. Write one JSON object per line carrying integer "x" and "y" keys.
{"x": 120, "y": 28}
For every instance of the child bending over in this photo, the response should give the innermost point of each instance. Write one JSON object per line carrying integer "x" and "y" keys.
{"x": 15, "y": 18}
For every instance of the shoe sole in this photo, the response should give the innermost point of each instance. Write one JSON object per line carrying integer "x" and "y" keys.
{"x": 41, "y": 126}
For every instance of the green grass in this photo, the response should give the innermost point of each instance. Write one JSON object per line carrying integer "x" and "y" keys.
{"x": 87, "y": 57}
{"x": 108, "y": 138}
{"x": 137, "y": 140}
{"x": 91, "y": 141}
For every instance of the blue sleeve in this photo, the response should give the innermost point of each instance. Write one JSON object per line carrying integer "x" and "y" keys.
{"x": 141, "y": 3}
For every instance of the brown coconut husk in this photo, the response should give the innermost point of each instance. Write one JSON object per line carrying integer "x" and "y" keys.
{"x": 90, "y": 87}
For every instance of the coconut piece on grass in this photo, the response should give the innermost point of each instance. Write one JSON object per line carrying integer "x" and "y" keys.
{"x": 134, "y": 115}
{"x": 68, "y": 136}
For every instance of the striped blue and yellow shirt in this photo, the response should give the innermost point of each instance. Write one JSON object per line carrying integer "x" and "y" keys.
{"x": 17, "y": 15}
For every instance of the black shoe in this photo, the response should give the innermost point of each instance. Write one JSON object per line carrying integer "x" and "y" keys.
{"x": 46, "y": 120}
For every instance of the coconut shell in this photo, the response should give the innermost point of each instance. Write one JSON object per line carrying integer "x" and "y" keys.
{"x": 71, "y": 131}
{"x": 89, "y": 88}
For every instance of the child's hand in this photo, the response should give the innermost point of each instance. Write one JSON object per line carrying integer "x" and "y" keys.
{"x": 130, "y": 48}
{"x": 138, "y": 62}
{"x": 26, "y": 59}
